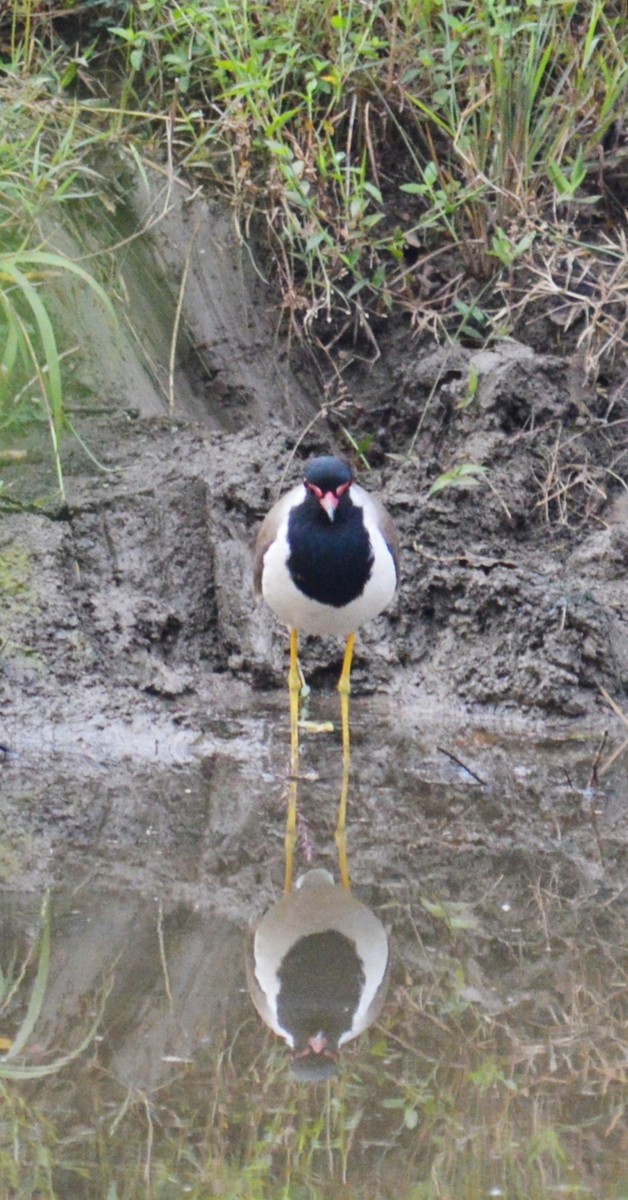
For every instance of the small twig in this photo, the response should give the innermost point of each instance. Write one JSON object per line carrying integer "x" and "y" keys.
{"x": 465, "y": 560}
{"x": 149, "y": 1148}
{"x": 612, "y": 758}
{"x": 614, "y": 705}
{"x": 497, "y": 496}
{"x": 305, "y": 838}
{"x": 624, "y": 746}
{"x": 459, "y": 762}
{"x": 320, "y": 415}
{"x": 596, "y": 761}
{"x": 178, "y": 311}
{"x": 369, "y": 141}
{"x": 538, "y": 896}
{"x": 45, "y": 371}
{"x": 354, "y": 105}
{"x": 162, "y": 956}
{"x": 595, "y": 827}
{"x": 408, "y": 1045}
{"x": 590, "y": 795}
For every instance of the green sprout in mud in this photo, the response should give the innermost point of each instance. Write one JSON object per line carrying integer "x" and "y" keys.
{"x": 463, "y": 476}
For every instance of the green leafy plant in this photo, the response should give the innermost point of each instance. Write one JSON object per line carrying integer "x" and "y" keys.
{"x": 463, "y": 476}
{"x": 31, "y": 343}
{"x": 475, "y": 132}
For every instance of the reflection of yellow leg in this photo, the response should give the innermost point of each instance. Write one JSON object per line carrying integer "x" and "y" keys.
{"x": 344, "y": 687}
{"x": 294, "y": 685}
{"x": 341, "y": 830}
{"x": 291, "y": 833}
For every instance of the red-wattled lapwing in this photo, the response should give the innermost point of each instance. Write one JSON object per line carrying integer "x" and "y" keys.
{"x": 325, "y": 562}
{"x": 317, "y": 970}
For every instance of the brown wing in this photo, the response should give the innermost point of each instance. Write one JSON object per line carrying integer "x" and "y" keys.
{"x": 263, "y": 540}
{"x": 387, "y": 527}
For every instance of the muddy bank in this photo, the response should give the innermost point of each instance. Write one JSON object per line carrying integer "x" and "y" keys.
{"x": 130, "y": 634}
{"x": 133, "y": 613}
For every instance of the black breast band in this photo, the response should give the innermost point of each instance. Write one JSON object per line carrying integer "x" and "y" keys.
{"x": 330, "y": 561}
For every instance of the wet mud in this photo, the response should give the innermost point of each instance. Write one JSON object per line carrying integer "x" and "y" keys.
{"x": 143, "y": 709}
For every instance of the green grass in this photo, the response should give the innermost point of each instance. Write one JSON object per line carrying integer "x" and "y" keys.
{"x": 29, "y": 1152}
{"x": 46, "y": 171}
{"x": 481, "y": 134}
{"x": 461, "y": 163}
{"x": 31, "y": 342}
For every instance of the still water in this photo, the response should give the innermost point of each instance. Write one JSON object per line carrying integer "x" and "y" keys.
{"x": 497, "y": 1065}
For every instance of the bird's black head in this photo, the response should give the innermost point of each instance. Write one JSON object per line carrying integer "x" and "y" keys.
{"x": 328, "y": 479}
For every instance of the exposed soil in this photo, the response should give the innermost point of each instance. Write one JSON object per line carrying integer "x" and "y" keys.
{"x": 129, "y": 629}
{"x": 143, "y": 700}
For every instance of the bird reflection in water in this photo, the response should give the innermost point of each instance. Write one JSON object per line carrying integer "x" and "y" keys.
{"x": 317, "y": 970}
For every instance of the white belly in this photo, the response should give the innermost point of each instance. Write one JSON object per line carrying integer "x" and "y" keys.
{"x": 298, "y": 611}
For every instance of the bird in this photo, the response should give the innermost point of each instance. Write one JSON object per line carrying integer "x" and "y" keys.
{"x": 326, "y": 561}
{"x": 317, "y": 970}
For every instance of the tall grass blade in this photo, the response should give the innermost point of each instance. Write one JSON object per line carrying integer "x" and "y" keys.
{"x": 39, "y": 987}
{"x": 23, "y": 1071}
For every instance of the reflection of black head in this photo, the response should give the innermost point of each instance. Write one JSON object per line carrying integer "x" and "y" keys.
{"x": 312, "y": 1067}
{"x": 320, "y": 983}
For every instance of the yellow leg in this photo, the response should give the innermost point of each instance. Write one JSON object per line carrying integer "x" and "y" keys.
{"x": 291, "y": 834}
{"x": 344, "y": 687}
{"x": 294, "y": 685}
